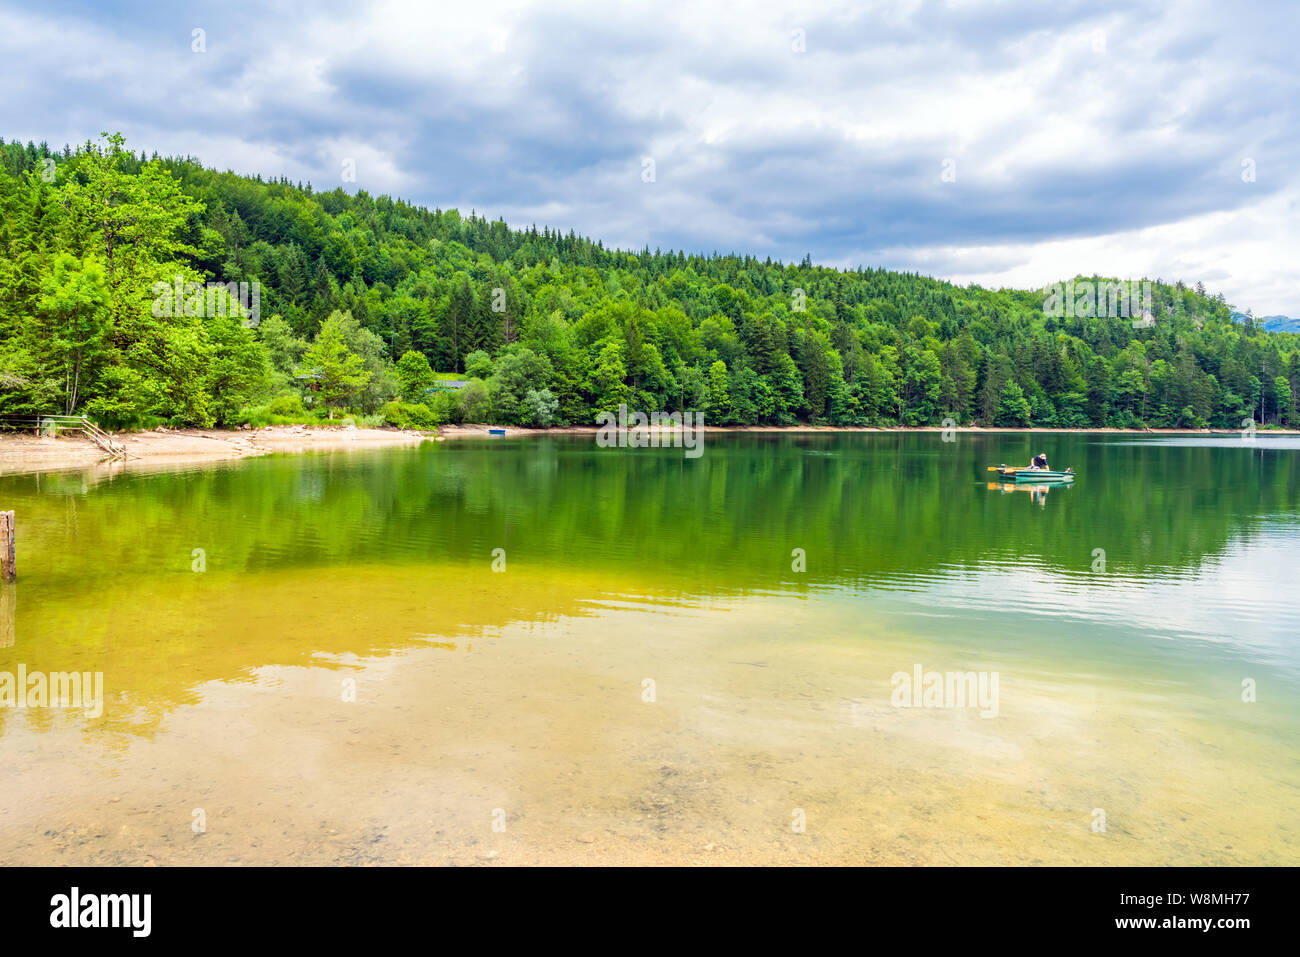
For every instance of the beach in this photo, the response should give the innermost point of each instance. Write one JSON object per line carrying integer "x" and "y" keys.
{"x": 163, "y": 447}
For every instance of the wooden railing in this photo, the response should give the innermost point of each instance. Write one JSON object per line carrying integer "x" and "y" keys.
{"x": 102, "y": 438}
{"x": 53, "y": 424}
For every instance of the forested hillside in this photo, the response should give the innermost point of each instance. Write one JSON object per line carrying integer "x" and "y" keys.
{"x": 363, "y": 299}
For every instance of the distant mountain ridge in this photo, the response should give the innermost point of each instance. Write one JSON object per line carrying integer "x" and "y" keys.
{"x": 1271, "y": 323}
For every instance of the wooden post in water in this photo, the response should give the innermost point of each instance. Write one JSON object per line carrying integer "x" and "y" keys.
{"x": 8, "y": 599}
{"x": 7, "y": 550}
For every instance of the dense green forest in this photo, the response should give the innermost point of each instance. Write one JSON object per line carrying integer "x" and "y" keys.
{"x": 364, "y": 303}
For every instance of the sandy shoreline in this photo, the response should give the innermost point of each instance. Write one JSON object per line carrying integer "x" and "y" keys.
{"x": 27, "y": 453}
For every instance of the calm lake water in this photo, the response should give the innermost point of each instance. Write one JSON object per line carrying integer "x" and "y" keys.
{"x": 311, "y": 659}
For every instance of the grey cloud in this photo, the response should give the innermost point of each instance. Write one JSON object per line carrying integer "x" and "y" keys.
{"x": 560, "y": 119}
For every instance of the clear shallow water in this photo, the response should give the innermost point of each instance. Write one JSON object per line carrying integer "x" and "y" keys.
{"x": 517, "y": 696}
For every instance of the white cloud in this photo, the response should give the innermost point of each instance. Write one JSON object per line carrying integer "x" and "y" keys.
{"x": 1098, "y": 137}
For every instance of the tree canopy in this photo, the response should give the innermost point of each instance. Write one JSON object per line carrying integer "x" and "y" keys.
{"x": 364, "y": 297}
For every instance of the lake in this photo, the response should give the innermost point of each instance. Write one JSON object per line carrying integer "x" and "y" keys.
{"x": 534, "y": 650}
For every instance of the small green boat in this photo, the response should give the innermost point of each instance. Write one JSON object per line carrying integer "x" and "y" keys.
{"x": 1012, "y": 474}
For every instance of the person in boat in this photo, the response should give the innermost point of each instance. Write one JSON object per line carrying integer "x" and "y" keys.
{"x": 1039, "y": 462}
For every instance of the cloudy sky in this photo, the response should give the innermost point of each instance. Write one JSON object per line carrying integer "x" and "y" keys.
{"x": 1011, "y": 143}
